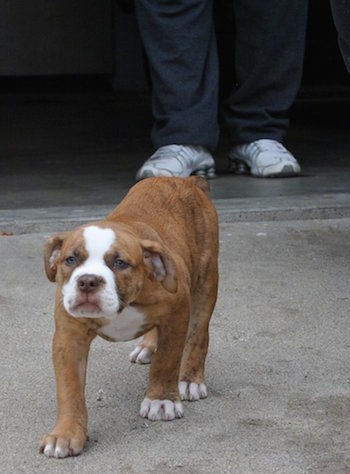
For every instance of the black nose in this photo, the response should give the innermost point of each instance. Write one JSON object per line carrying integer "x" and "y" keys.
{"x": 88, "y": 283}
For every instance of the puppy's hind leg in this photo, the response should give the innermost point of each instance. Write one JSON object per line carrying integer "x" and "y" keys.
{"x": 142, "y": 354}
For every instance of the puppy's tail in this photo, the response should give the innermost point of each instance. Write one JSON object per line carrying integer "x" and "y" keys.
{"x": 200, "y": 182}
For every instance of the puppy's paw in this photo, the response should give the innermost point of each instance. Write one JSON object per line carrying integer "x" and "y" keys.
{"x": 62, "y": 444}
{"x": 141, "y": 355}
{"x": 192, "y": 391}
{"x": 165, "y": 410}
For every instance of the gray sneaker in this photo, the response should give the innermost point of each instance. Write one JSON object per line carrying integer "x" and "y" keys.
{"x": 178, "y": 161}
{"x": 263, "y": 159}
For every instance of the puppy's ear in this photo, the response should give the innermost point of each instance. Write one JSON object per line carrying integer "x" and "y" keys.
{"x": 157, "y": 259}
{"x": 52, "y": 250}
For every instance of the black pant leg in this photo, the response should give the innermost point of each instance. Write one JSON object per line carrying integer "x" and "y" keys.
{"x": 269, "y": 53}
{"x": 180, "y": 45}
{"x": 341, "y": 15}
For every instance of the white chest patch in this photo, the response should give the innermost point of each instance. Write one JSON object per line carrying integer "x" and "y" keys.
{"x": 125, "y": 326}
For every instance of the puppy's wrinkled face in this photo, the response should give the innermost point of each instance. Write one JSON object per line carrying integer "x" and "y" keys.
{"x": 102, "y": 272}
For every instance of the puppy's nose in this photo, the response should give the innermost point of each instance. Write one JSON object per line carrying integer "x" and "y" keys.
{"x": 87, "y": 283}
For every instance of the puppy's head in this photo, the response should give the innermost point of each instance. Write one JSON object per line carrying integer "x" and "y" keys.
{"x": 102, "y": 268}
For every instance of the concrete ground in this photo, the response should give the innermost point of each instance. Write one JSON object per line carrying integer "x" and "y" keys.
{"x": 278, "y": 365}
{"x": 277, "y": 370}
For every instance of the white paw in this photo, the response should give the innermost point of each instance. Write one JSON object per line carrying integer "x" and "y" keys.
{"x": 55, "y": 451}
{"x": 192, "y": 391}
{"x": 165, "y": 410}
{"x": 141, "y": 355}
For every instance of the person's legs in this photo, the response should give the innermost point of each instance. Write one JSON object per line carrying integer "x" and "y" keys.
{"x": 341, "y": 16}
{"x": 180, "y": 45}
{"x": 270, "y": 40}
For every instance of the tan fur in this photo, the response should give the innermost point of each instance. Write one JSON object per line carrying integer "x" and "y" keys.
{"x": 167, "y": 229}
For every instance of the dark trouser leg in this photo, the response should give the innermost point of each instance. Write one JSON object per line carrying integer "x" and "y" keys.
{"x": 269, "y": 53}
{"x": 341, "y": 15}
{"x": 179, "y": 41}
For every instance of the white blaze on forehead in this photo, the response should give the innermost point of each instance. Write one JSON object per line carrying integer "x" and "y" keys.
{"x": 98, "y": 241}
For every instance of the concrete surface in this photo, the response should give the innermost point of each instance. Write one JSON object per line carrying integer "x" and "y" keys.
{"x": 63, "y": 156}
{"x": 278, "y": 366}
{"x": 277, "y": 370}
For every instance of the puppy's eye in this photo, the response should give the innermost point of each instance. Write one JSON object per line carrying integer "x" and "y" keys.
{"x": 120, "y": 264}
{"x": 71, "y": 260}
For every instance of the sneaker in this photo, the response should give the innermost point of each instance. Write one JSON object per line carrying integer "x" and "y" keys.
{"x": 178, "y": 161}
{"x": 263, "y": 159}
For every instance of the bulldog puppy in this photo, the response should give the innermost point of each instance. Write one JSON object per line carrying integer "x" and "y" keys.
{"x": 149, "y": 268}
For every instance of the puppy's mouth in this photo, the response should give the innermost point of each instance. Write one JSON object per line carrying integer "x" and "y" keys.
{"x": 91, "y": 304}
{"x": 86, "y": 305}
{"x": 87, "y": 308}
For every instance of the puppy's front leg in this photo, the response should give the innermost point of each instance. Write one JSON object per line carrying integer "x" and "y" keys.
{"x": 71, "y": 345}
{"x": 162, "y": 401}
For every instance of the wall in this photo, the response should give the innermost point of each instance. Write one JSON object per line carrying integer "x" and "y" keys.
{"x": 43, "y": 37}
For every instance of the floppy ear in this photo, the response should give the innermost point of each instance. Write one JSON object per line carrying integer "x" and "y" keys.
{"x": 155, "y": 257}
{"x": 52, "y": 250}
